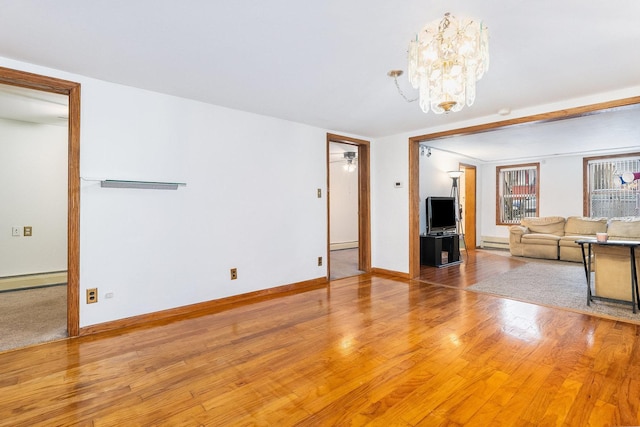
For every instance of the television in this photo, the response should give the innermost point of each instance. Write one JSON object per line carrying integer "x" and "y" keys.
{"x": 441, "y": 215}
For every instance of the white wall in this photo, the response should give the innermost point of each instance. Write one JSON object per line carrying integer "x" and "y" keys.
{"x": 389, "y": 204}
{"x": 343, "y": 197}
{"x": 33, "y": 173}
{"x": 560, "y": 192}
{"x": 434, "y": 180}
{"x": 250, "y": 200}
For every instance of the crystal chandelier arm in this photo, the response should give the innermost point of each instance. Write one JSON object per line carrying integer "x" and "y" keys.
{"x": 395, "y": 80}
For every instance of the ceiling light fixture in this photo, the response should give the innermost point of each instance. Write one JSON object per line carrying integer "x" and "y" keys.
{"x": 445, "y": 60}
{"x": 425, "y": 151}
{"x": 350, "y": 157}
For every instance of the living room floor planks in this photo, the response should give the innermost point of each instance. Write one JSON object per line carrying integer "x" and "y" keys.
{"x": 477, "y": 265}
{"x": 368, "y": 349}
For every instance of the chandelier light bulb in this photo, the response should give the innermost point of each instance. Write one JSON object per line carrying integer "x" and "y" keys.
{"x": 446, "y": 58}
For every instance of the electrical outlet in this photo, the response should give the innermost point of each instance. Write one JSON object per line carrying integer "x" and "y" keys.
{"x": 92, "y": 295}
{"x": 234, "y": 273}
{"x": 15, "y": 231}
{"x": 319, "y": 261}
{"x": 28, "y": 231}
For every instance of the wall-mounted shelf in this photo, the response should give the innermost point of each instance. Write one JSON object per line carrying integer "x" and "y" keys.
{"x": 146, "y": 185}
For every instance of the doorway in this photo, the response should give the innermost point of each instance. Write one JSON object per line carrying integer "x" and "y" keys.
{"x": 348, "y": 207}
{"x": 468, "y": 205}
{"x": 72, "y": 91}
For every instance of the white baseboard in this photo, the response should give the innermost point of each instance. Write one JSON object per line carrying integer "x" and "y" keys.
{"x": 343, "y": 245}
{"x": 494, "y": 242}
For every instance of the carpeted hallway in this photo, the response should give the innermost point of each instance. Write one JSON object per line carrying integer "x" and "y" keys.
{"x": 344, "y": 263}
{"x": 32, "y": 316}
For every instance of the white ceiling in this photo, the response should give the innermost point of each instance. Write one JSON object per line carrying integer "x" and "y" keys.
{"x": 616, "y": 131}
{"x": 34, "y": 106}
{"x": 325, "y": 62}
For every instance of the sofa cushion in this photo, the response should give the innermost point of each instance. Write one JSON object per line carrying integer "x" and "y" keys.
{"x": 540, "y": 239}
{"x": 546, "y": 225}
{"x": 583, "y": 226}
{"x": 540, "y": 251}
{"x": 571, "y": 240}
{"x": 627, "y": 228}
{"x": 579, "y": 227}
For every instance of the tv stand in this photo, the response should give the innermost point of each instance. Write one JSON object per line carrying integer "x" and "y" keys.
{"x": 440, "y": 250}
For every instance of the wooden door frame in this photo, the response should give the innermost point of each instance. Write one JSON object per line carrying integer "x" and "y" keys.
{"x": 72, "y": 90}
{"x": 470, "y": 207}
{"x": 364, "y": 201}
{"x": 414, "y": 158}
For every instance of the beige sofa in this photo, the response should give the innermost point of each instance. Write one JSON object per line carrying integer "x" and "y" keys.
{"x": 553, "y": 237}
{"x": 578, "y": 227}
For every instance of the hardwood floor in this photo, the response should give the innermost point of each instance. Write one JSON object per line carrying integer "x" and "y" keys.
{"x": 366, "y": 350}
{"x": 476, "y": 266}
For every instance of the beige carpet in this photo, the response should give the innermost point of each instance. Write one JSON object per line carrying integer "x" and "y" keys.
{"x": 32, "y": 316}
{"x": 32, "y": 281}
{"x": 344, "y": 263}
{"x": 553, "y": 284}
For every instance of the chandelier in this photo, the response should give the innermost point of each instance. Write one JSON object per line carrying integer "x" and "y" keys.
{"x": 445, "y": 60}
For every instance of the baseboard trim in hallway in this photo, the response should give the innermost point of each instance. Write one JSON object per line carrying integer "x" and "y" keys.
{"x": 29, "y": 281}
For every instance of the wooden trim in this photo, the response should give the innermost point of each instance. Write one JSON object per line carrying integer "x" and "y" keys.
{"x": 36, "y": 81}
{"x": 73, "y": 216}
{"x": 332, "y": 137}
{"x": 585, "y": 176}
{"x": 327, "y": 192}
{"x": 414, "y": 208}
{"x": 470, "y": 206}
{"x": 72, "y": 90}
{"x": 414, "y": 144}
{"x": 207, "y": 307}
{"x": 536, "y": 118}
{"x": 382, "y": 271}
{"x": 364, "y": 200}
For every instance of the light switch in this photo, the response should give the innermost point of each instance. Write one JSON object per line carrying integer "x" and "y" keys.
{"x": 27, "y": 231}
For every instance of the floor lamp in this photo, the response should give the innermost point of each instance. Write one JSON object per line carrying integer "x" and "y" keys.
{"x": 455, "y": 193}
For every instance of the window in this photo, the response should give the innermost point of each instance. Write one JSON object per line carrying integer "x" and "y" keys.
{"x": 517, "y": 192}
{"x": 605, "y": 193}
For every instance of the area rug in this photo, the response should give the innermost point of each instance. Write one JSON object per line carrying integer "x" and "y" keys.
{"x": 32, "y": 316}
{"x": 553, "y": 284}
